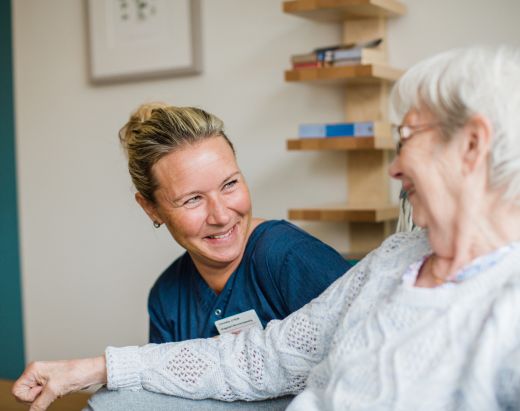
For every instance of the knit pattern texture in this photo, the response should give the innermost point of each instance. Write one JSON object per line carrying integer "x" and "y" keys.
{"x": 369, "y": 342}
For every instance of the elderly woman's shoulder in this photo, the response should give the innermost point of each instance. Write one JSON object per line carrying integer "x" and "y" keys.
{"x": 395, "y": 254}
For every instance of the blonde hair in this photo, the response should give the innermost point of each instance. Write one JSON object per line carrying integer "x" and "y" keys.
{"x": 157, "y": 129}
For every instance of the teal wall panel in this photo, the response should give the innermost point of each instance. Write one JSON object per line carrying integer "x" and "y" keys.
{"x": 11, "y": 326}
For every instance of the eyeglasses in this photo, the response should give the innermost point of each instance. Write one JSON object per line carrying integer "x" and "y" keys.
{"x": 403, "y": 132}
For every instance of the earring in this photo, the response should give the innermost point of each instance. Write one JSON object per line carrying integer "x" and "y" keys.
{"x": 156, "y": 224}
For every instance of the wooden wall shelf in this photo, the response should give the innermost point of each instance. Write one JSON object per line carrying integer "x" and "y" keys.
{"x": 362, "y": 74}
{"x": 341, "y": 143}
{"x": 367, "y": 88}
{"x": 346, "y": 213}
{"x": 340, "y": 10}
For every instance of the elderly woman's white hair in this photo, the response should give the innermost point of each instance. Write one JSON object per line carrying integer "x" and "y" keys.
{"x": 459, "y": 84}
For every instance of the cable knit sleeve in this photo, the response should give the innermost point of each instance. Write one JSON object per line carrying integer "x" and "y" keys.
{"x": 252, "y": 365}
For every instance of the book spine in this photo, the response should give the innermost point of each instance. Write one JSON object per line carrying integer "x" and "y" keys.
{"x": 311, "y": 130}
{"x": 341, "y": 63}
{"x": 303, "y": 58}
{"x": 364, "y": 129}
{"x": 348, "y": 54}
{"x": 359, "y": 129}
{"x": 339, "y": 130}
{"x": 307, "y": 65}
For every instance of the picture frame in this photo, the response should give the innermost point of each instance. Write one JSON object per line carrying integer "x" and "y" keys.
{"x": 139, "y": 39}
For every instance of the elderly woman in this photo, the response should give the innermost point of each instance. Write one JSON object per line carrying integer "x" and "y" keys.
{"x": 236, "y": 268}
{"x": 429, "y": 321}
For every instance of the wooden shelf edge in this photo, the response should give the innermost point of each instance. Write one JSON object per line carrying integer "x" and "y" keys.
{"x": 345, "y": 213}
{"x": 357, "y": 73}
{"x": 340, "y": 144}
{"x": 393, "y": 7}
{"x": 340, "y": 10}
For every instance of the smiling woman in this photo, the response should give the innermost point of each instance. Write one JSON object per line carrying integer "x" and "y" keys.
{"x": 203, "y": 200}
{"x": 187, "y": 178}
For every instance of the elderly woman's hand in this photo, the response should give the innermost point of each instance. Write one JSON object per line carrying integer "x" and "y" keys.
{"x": 44, "y": 381}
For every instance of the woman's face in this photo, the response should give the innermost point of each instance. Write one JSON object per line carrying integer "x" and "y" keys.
{"x": 428, "y": 168}
{"x": 204, "y": 201}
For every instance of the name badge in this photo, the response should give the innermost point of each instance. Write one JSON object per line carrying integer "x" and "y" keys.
{"x": 238, "y": 322}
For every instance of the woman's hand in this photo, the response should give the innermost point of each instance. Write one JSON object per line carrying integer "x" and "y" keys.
{"x": 44, "y": 381}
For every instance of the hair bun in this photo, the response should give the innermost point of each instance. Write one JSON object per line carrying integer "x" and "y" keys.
{"x": 144, "y": 111}
{"x": 140, "y": 115}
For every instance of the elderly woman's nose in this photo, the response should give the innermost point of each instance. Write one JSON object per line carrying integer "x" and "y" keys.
{"x": 218, "y": 213}
{"x": 394, "y": 169}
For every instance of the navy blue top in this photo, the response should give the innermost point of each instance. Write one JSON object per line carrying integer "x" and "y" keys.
{"x": 282, "y": 269}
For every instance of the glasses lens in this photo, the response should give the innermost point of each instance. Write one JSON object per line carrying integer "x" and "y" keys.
{"x": 405, "y": 132}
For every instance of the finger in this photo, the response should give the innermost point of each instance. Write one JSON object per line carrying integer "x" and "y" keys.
{"x": 34, "y": 392}
{"x": 31, "y": 396}
{"x": 47, "y": 396}
{"x": 26, "y": 390}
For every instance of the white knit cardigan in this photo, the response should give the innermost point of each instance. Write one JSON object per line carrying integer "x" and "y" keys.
{"x": 369, "y": 342}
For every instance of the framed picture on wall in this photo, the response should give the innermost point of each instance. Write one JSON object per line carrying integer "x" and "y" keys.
{"x": 136, "y": 39}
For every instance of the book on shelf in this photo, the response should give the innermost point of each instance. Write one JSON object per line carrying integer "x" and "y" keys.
{"x": 340, "y": 54}
{"x": 365, "y": 56}
{"x": 304, "y": 58}
{"x": 347, "y": 62}
{"x": 344, "y": 46}
{"x": 357, "y": 129}
{"x": 309, "y": 64}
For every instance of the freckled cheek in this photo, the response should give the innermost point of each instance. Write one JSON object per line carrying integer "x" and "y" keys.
{"x": 189, "y": 223}
{"x": 242, "y": 202}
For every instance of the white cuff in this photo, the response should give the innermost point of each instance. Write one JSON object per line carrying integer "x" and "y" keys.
{"x": 123, "y": 368}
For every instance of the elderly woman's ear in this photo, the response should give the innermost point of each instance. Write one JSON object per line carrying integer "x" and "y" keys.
{"x": 476, "y": 143}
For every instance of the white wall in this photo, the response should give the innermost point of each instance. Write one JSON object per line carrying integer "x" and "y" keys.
{"x": 89, "y": 254}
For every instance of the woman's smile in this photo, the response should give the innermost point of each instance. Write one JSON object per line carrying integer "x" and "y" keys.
{"x": 222, "y": 236}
